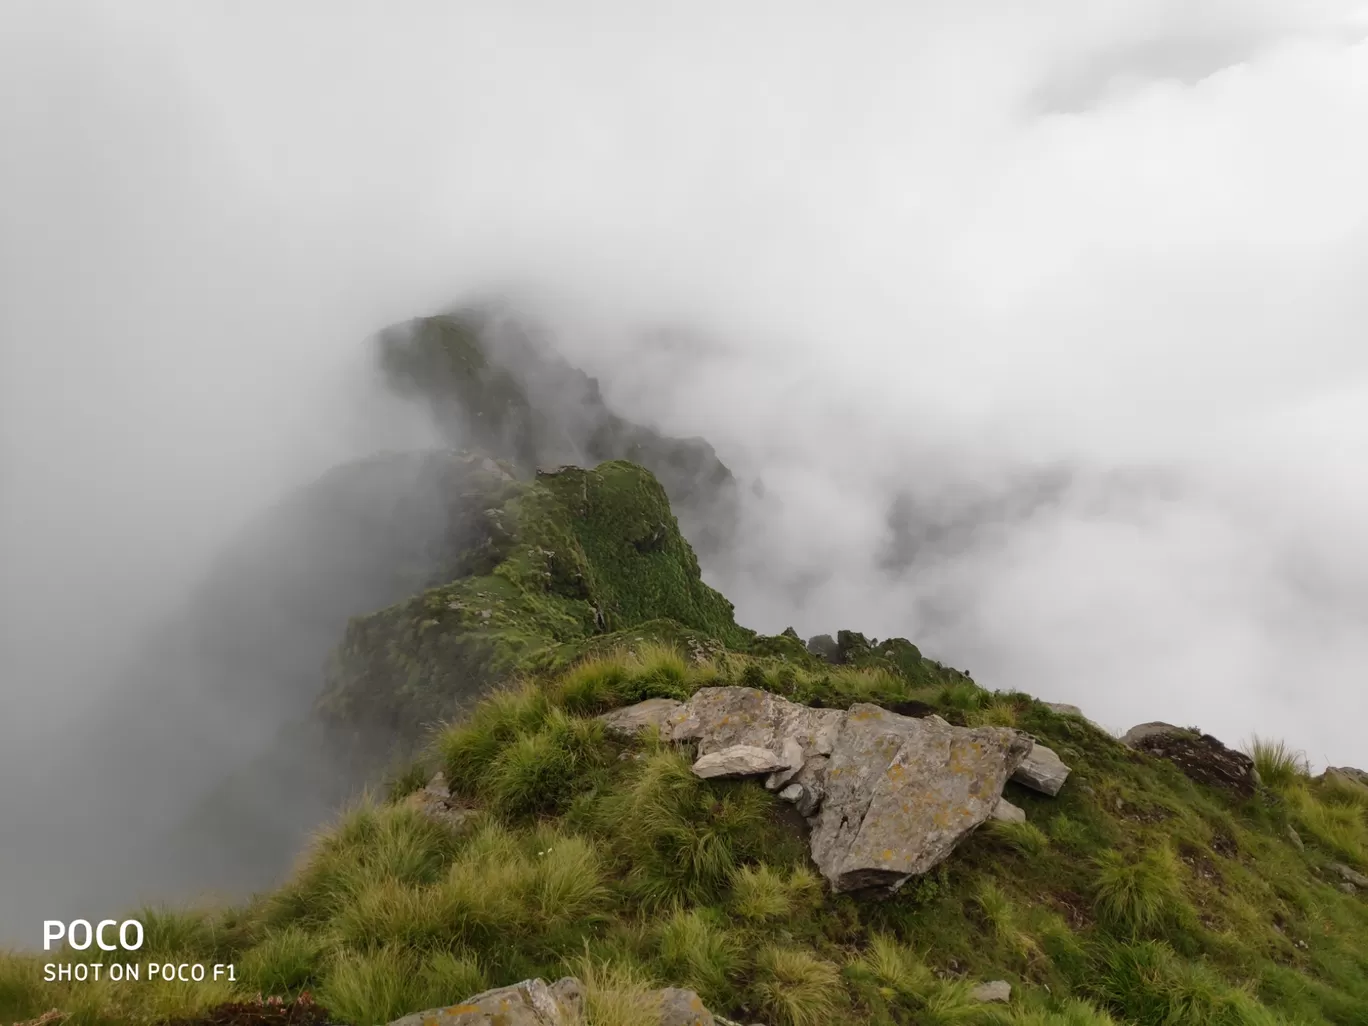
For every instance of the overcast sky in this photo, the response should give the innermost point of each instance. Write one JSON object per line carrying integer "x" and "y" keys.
{"x": 942, "y": 249}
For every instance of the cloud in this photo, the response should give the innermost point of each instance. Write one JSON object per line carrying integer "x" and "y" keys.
{"x": 941, "y": 251}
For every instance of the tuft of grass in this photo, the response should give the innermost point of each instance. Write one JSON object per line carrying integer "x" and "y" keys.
{"x": 173, "y": 932}
{"x": 1137, "y": 894}
{"x": 1071, "y": 1012}
{"x": 1341, "y": 829}
{"x": 390, "y": 913}
{"x": 564, "y": 882}
{"x": 595, "y": 684}
{"x": 1024, "y": 838}
{"x": 657, "y": 669}
{"x": 952, "y": 1003}
{"x": 22, "y": 992}
{"x": 796, "y": 988}
{"x": 617, "y": 993}
{"x": 1147, "y": 982}
{"x": 1279, "y": 766}
{"x": 760, "y": 894}
{"x": 368, "y": 845}
{"x": 531, "y": 774}
{"x": 448, "y": 977}
{"x": 896, "y": 968}
{"x": 1000, "y": 913}
{"x": 282, "y": 962}
{"x": 684, "y": 836}
{"x": 866, "y": 684}
{"x": 697, "y": 950}
{"x": 373, "y": 987}
{"x": 466, "y": 749}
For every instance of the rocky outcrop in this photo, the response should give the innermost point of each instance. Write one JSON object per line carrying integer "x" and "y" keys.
{"x": 1342, "y": 775}
{"x": 530, "y": 1003}
{"x": 901, "y": 793}
{"x": 718, "y": 718}
{"x": 536, "y": 1003}
{"x": 1042, "y": 770}
{"x": 888, "y": 796}
{"x": 632, "y": 720}
{"x": 435, "y": 800}
{"x": 1202, "y": 757}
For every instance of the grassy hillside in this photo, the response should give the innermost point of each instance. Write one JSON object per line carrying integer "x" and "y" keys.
{"x": 1135, "y": 896}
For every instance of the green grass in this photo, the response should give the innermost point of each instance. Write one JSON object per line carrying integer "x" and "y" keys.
{"x": 1140, "y": 898}
{"x": 1278, "y": 765}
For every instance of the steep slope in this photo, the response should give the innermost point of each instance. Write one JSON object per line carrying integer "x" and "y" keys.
{"x": 1146, "y": 891}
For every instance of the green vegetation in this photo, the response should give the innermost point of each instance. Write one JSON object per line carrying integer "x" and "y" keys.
{"x": 1134, "y": 897}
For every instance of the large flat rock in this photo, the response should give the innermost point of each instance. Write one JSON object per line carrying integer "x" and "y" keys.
{"x": 901, "y": 793}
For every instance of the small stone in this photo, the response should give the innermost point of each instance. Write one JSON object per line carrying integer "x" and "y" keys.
{"x": 1064, "y": 709}
{"x": 1005, "y": 812}
{"x": 792, "y": 793}
{"x": 679, "y": 1007}
{"x": 1295, "y": 838}
{"x": 1347, "y": 887}
{"x": 1042, "y": 770}
{"x": 1350, "y": 876}
{"x": 737, "y": 761}
{"x": 997, "y": 990}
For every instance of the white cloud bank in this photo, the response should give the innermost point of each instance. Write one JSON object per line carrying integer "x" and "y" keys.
{"x": 935, "y": 246}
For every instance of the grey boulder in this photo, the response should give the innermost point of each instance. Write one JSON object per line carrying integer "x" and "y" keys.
{"x": 530, "y": 1003}
{"x": 1042, "y": 770}
{"x": 718, "y": 718}
{"x": 901, "y": 793}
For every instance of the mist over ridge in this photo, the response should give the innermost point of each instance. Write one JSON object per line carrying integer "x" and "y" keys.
{"x": 1033, "y": 336}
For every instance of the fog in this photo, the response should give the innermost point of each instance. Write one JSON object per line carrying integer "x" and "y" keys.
{"x": 1084, "y": 283}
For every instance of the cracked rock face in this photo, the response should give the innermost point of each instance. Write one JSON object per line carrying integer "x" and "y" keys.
{"x": 901, "y": 793}
{"x": 888, "y": 796}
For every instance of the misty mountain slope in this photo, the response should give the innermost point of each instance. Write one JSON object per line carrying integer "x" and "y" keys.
{"x": 573, "y": 554}
{"x": 494, "y": 382}
{"x": 1144, "y": 892}
{"x": 215, "y": 709}
{"x": 209, "y": 692}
